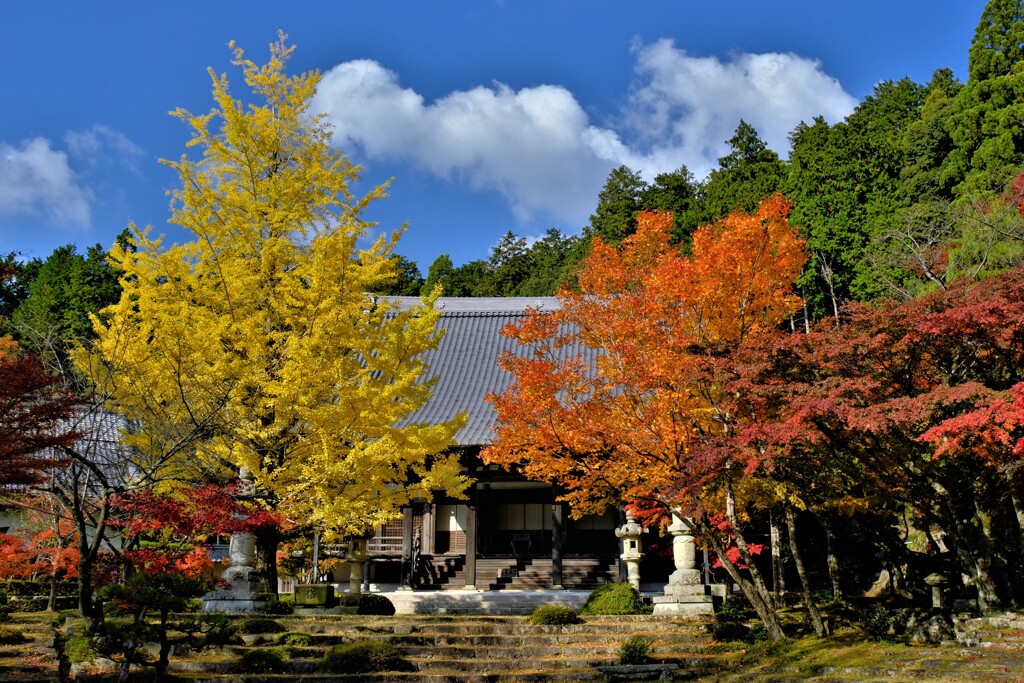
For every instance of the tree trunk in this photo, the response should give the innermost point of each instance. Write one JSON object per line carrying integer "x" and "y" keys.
{"x": 754, "y": 589}
{"x": 267, "y": 541}
{"x": 833, "y": 561}
{"x": 778, "y": 582}
{"x": 163, "y": 660}
{"x": 970, "y": 545}
{"x": 805, "y": 585}
{"x": 1017, "y": 502}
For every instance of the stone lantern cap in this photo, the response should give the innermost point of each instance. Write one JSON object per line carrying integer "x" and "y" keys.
{"x": 630, "y": 529}
{"x": 936, "y": 579}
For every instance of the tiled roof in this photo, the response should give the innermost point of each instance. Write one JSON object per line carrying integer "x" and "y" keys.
{"x": 466, "y": 360}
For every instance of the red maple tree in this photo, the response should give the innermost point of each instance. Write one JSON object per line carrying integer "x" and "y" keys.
{"x": 617, "y": 396}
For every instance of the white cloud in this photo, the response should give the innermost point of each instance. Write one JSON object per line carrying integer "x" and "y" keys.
{"x": 35, "y": 179}
{"x": 101, "y": 145}
{"x": 529, "y": 145}
{"x": 686, "y": 107}
{"x": 537, "y": 147}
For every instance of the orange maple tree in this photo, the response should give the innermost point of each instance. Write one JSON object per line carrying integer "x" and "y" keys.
{"x": 617, "y": 395}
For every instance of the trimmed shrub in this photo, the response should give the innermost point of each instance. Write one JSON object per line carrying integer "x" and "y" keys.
{"x": 554, "y": 615}
{"x": 28, "y": 604}
{"x": 375, "y": 605}
{"x": 9, "y": 636}
{"x": 636, "y": 650}
{"x": 296, "y": 638}
{"x": 364, "y": 656}
{"x": 5, "y": 607}
{"x": 875, "y": 621}
{"x": 758, "y": 634}
{"x": 256, "y": 625}
{"x": 728, "y": 631}
{"x": 80, "y": 649}
{"x": 368, "y": 603}
{"x": 30, "y": 588}
{"x": 615, "y": 598}
{"x": 730, "y": 612}
{"x": 277, "y": 607}
{"x": 260, "y": 661}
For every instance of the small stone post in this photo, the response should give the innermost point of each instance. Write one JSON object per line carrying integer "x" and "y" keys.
{"x": 938, "y": 583}
{"x": 630, "y": 534}
{"x": 684, "y": 594}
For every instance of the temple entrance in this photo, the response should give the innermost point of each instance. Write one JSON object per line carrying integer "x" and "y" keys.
{"x": 450, "y": 530}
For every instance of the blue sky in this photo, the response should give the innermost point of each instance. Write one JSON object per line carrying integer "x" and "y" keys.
{"x": 490, "y": 116}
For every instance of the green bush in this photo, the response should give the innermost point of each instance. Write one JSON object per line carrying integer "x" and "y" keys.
{"x": 758, "y": 634}
{"x": 554, "y": 615}
{"x": 255, "y": 625}
{"x": 296, "y": 638}
{"x": 5, "y": 606}
{"x": 80, "y": 649}
{"x": 615, "y": 598}
{"x": 728, "y": 631}
{"x": 364, "y": 656}
{"x": 277, "y": 607}
{"x": 287, "y": 651}
{"x": 260, "y": 661}
{"x": 8, "y": 636}
{"x": 28, "y": 604}
{"x": 636, "y": 650}
{"x": 375, "y": 605}
{"x": 875, "y": 621}
{"x": 368, "y": 603}
{"x": 28, "y": 588}
{"x": 730, "y": 612}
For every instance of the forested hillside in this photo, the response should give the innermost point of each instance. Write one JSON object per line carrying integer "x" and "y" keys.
{"x": 911, "y": 191}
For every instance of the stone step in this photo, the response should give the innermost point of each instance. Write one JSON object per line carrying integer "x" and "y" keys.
{"x": 476, "y": 626}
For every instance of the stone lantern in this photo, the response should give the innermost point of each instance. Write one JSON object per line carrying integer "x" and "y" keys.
{"x": 246, "y": 592}
{"x": 355, "y": 557}
{"x": 630, "y": 533}
{"x": 684, "y": 594}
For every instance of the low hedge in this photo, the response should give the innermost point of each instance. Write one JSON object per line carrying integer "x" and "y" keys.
{"x": 554, "y": 615}
{"x": 364, "y": 656}
{"x": 615, "y": 598}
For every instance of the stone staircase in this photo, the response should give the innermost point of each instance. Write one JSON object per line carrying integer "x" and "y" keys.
{"x": 32, "y": 660}
{"x": 443, "y": 649}
{"x": 492, "y": 649}
{"x": 494, "y": 574}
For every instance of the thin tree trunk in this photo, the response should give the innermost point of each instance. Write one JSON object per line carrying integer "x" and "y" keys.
{"x": 970, "y": 548}
{"x": 778, "y": 582}
{"x": 1017, "y": 502}
{"x": 805, "y": 585}
{"x": 754, "y": 589}
{"x": 833, "y": 561}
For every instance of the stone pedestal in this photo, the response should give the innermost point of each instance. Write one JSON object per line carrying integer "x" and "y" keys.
{"x": 246, "y": 592}
{"x": 684, "y": 594}
{"x": 630, "y": 534}
{"x": 314, "y": 595}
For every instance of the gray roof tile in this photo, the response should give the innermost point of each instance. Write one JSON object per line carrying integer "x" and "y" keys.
{"x": 466, "y": 361}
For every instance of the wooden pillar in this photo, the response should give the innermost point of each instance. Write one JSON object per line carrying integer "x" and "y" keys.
{"x": 623, "y": 571}
{"x": 429, "y": 526}
{"x": 407, "y": 567}
{"x": 471, "y": 541}
{"x": 557, "y": 540}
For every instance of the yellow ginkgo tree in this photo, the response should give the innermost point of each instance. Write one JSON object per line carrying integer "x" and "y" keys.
{"x": 255, "y": 344}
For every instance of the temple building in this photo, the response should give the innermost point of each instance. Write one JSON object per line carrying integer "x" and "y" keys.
{"x": 510, "y": 532}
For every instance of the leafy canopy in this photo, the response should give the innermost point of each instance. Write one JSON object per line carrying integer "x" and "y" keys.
{"x": 255, "y": 344}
